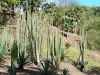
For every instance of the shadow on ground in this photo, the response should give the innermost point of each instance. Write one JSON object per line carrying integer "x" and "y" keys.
{"x": 22, "y": 72}
{"x": 26, "y": 72}
{"x": 1, "y": 73}
{"x": 94, "y": 71}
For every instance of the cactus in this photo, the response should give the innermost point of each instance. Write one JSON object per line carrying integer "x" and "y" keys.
{"x": 82, "y": 56}
{"x": 55, "y": 53}
{"x": 2, "y": 48}
{"x": 14, "y": 56}
{"x": 29, "y": 34}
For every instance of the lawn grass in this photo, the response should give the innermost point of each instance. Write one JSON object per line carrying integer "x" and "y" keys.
{"x": 73, "y": 53}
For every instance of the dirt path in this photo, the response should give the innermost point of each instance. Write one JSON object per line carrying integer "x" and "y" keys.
{"x": 95, "y": 55}
{"x": 31, "y": 69}
{"x": 72, "y": 70}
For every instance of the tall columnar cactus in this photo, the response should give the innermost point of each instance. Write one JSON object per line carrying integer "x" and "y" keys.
{"x": 82, "y": 56}
{"x": 14, "y": 56}
{"x": 2, "y": 47}
{"x": 30, "y": 30}
{"x": 55, "y": 53}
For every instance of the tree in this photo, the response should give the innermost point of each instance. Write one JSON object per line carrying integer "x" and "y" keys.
{"x": 8, "y": 4}
{"x": 49, "y": 7}
{"x": 96, "y": 11}
{"x": 31, "y": 4}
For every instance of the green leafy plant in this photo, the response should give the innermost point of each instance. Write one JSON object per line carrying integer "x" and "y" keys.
{"x": 22, "y": 59}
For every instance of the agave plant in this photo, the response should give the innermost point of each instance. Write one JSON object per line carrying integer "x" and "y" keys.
{"x": 65, "y": 72}
{"x": 45, "y": 67}
{"x": 22, "y": 59}
{"x": 64, "y": 51}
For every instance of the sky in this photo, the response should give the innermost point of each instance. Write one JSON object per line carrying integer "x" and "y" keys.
{"x": 85, "y": 2}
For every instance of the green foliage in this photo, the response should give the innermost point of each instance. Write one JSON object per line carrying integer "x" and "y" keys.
{"x": 49, "y": 8}
{"x": 8, "y": 4}
{"x": 2, "y": 19}
{"x": 96, "y": 11}
{"x": 32, "y": 5}
{"x": 94, "y": 29}
{"x": 22, "y": 59}
{"x": 68, "y": 25}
